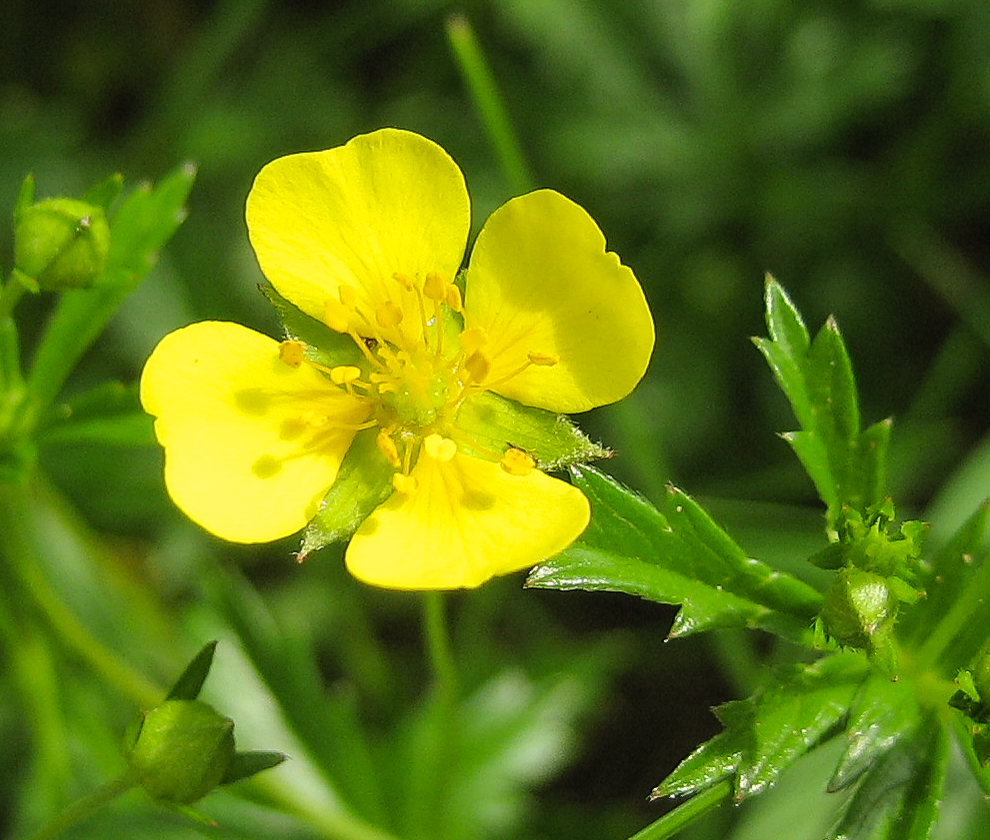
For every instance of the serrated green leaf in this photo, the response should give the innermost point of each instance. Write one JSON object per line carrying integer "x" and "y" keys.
{"x": 846, "y": 466}
{"x": 363, "y": 482}
{"x": 795, "y": 714}
{"x": 884, "y": 712}
{"x": 145, "y": 220}
{"x": 715, "y": 760}
{"x": 675, "y": 555}
{"x": 189, "y": 684}
{"x": 898, "y": 799}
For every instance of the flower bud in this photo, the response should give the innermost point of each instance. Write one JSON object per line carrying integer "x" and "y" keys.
{"x": 61, "y": 243}
{"x": 181, "y": 750}
{"x": 858, "y": 607}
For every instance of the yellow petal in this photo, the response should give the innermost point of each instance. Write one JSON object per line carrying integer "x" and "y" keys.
{"x": 390, "y": 202}
{"x": 541, "y": 285}
{"x": 463, "y": 521}
{"x": 252, "y": 444}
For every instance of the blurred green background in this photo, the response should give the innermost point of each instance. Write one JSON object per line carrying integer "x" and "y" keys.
{"x": 841, "y": 146}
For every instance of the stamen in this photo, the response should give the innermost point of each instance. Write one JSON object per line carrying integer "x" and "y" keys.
{"x": 434, "y": 287}
{"x": 389, "y": 449}
{"x": 388, "y": 315}
{"x": 478, "y": 366}
{"x": 517, "y": 462}
{"x": 292, "y": 353}
{"x": 347, "y": 295}
{"x": 403, "y": 280}
{"x": 337, "y": 316}
{"x": 344, "y": 374}
{"x": 439, "y": 448}
{"x": 404, "y": 484}
{"x": 473, "y": 339}
{"x": 453, "y": 298}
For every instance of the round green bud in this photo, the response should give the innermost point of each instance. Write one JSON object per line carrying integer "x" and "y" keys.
{"x": 61, "y": 243}
{"x": 858, "y": 605}
{"x": 181, "y": 750}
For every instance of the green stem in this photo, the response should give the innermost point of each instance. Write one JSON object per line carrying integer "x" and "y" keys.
{"x": 686, "y": 813}
{"x": 10, "y": 294}
{"x": 84, "y": 807}
{"x": 488, "y": 103}
{"x": 18, "y": 546}
{"x": 438, "y": 645}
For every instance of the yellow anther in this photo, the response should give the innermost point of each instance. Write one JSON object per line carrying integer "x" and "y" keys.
{"x": 388, "y": 314}
{"x": 344, "y": 374}
{"x": 347, "y": 295}
{"x": 336, "y": 315}
{"x": 477, "y": 366}
{"x": 453, "y": 298}
{"x": 292, "y": 353}
{"x": 403, "y": 280}
{"x": 385, "y": 443}
{"x": 544, "y": 359}
{"x": 439, "y": 448}
{"x": 472, "y": 339}
{"x": 404, "y": 484}
{"x": 517, "y": 462}
{"x": 434, "y": 287}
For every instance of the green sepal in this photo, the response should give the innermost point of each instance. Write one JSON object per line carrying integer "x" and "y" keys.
{"x": 246, "y": 764}
{"x": 323, "y": 345}
{"x": 24, "y": 198}
{"x": 190, "y": 682}
{"x": 675, "y": 555}
{"x": 495, "y": 423}
{"x": 363, "y": 482}
{"x": 105, "y": 192}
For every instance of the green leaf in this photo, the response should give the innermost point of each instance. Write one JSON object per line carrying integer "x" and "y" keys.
{"x": 847, "y": 466}
{"x": 189, "y": 684}
{"x": 675, "y": 555}
{"x": 796, "y": 713}
{"x": 714, "y": 761}
{"x": 883, "y": 712}
{"x": 144, "y": 221}
{"x": 899, "y": 797}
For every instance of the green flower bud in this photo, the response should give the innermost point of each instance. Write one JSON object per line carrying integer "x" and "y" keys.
{"x": 859, "y": 607}
{"x": 181, "y": 750}
{"x": 981, "y": 676}
{"x": 61, "y": 243}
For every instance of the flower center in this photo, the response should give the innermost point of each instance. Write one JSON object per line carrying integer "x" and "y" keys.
{"x": 420, "y": 366}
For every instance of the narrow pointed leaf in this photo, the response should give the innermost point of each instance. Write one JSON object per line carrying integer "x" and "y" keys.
{"x": 246, "y": 764}
{"x": 898, "y": 799}
{"x": 188, "y": 686}
{"x": 884, "y": 712}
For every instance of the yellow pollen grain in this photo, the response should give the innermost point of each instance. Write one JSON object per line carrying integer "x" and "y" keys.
{"x": 344, "y": 374}
{"x": 453, "y": 298}
{"x": 544, "y": 359}
{"x": 292, "y": 353}
{"x": 517, "y": 462}
{"x": 388, "y": 315}
{"x": 389, "y": 449}
{"x": 404, "y": 484}
{"x": 439, "y": 448}
{"x": 434, "y": 287}
{"x": 472, "y": 339}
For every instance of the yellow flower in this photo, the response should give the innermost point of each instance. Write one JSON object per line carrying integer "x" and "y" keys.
{"x": 368, "y": 239}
